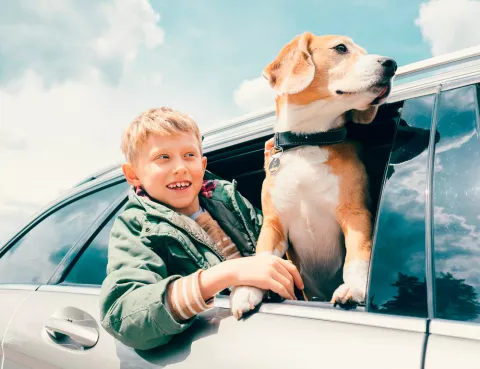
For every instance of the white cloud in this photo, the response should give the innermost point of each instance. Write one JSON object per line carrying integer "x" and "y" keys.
{"x": 63, "y": 40}
{"x": 254, "y": 94}
{"x": 131, "y": 23}
{"x": 449, "y": 25}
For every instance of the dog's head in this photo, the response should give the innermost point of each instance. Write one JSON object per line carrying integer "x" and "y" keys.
{"x": 331, "y": 68}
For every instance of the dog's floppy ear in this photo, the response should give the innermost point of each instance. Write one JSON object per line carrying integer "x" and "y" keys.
{"x": 363, "y": 116}
{"x": 292, "y": 70}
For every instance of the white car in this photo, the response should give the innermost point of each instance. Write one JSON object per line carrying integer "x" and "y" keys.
{"x": 422, "y": 155}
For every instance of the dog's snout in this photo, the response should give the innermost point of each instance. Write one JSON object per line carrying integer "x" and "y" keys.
{"x": 389, "y": 65}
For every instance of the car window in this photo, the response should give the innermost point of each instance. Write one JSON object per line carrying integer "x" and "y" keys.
{"x": 456, "y": 201}
{"x": 397, "y": 279}
{"x": 91, "y": 267}
{"x": 33, "y": 258}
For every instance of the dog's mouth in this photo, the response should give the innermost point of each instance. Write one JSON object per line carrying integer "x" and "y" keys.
{"x": 381, "y": 89}
{"x": 384, "y": 91}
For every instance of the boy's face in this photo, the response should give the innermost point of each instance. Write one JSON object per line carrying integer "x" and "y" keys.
{"x": 171, "y": 169}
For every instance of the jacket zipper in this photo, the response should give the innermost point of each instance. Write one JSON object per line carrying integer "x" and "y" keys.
{"x": 212, "y": 248}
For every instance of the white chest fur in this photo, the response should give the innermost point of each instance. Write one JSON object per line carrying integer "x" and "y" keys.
{"x": 306, "y": 194}
{"x": 304, "y": 180}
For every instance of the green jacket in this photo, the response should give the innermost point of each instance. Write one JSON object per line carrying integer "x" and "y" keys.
{"x": 152, "y": 245}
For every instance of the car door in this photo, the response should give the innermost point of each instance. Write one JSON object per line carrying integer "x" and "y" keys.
{"x": 454, "y": 339}
{"x": 30, "y": 260}
{"x": 11, "y": 298}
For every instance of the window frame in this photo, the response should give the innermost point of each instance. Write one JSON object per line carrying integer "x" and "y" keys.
{"x": 77, "y": 251}
{"x": 56, "y": 206}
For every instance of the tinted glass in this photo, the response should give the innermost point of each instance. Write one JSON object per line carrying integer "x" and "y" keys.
{"x": 397, "y": 281}
{"x": 34, "y": 257}
{"x": 91, "y": 267}
{"x": 456, "y": 200}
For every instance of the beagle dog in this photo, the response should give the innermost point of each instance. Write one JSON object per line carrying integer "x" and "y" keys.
{"x": 315, "y": 194}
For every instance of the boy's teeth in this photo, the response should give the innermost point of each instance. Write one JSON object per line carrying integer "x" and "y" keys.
{"x": 179, "y": 184}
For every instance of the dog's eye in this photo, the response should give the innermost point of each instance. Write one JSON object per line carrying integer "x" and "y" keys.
{"x": 342, "y": 49}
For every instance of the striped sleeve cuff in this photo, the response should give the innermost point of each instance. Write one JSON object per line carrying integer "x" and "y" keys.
{"x": 184, "y": 298}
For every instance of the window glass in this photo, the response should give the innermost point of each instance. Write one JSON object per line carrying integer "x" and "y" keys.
{"x": 33, "y": 258}
{"x": 91, "y": 267}
{"x": 456, "y": 201}
{"x": 397, "y": 280}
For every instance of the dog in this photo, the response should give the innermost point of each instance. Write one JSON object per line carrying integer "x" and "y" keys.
{"x": 315, "y": 193}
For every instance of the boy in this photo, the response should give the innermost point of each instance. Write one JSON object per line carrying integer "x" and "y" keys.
{"x": 181, "y": 238}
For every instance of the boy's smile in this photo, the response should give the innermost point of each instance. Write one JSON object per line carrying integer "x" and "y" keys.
{"x": 171, "y": 169}
{"x": 179, "y": 186}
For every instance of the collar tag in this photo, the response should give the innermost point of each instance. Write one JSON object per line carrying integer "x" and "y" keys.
{"x": 275, "y": 153}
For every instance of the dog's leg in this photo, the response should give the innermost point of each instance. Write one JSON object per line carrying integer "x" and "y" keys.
{"x": 356, "y": 222}
{"x": 357, "y": 230}
{"x": 272, "y": 240}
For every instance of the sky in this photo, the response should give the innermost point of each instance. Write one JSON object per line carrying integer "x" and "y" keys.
{"x": 74, "y": 73}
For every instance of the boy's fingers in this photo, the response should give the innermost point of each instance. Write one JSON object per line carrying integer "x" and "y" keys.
{"x": 286, "y": 280}
{"x": 292, "y": 269}
{"x": 278, "y": 288}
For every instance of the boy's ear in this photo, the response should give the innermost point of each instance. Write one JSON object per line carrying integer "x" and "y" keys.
{"x": 130, "y": 174}
{"x": 204, "y": 163}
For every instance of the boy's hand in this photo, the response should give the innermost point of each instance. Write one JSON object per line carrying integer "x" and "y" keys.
{"x": 267, "y": 272}
{"x": 254, "y": 275}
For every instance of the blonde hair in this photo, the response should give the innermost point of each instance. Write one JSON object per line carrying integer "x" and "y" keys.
{"x": 156, "y": 121}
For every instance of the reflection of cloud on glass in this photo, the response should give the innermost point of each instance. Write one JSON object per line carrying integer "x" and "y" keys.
{"x": 400, "y": 239}
{"x": 455, "y": 143}
{"x": 455, "y": 196}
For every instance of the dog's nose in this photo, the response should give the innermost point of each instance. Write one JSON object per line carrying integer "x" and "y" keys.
{"x": 389, "y": 65}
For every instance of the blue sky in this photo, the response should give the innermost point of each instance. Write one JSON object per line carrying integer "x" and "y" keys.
{"x": 73, "y": 73}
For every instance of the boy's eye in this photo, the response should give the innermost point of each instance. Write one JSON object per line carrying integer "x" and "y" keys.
{"x": 163, "y": 156}
{"x": 190, "y": 154}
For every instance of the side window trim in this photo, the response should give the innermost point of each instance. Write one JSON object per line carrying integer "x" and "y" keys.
{"x": 325, "y": 311}
{"x": 452, "y": 328}
{"x": 71, "y": 257}
{"x": 429, "y": 252}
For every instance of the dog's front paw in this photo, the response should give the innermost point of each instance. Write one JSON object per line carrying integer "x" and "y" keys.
{"x": 348, "y": 294}
{"x": 243, "y": 299}
{"x": 355, "y": 277}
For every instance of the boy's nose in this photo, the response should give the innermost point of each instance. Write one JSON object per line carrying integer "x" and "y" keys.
{"x": 180, "y": 169}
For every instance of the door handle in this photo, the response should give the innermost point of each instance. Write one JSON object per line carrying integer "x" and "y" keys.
{"x": 74, "y": 323}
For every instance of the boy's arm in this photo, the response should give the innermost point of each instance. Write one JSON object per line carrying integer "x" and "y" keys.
{"x": 134, "y": 298}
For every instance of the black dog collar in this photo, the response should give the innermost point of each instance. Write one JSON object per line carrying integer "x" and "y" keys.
{"x": 289, "y": 140}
